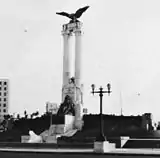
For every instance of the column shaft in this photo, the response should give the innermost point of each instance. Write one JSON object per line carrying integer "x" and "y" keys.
{"x": 78, "y": 67}
{"x": 78, "y": 55}
{"x": 66, "y": 58}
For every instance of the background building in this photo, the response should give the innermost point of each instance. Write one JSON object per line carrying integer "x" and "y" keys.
{"x": 85, "y": 110}
{"x": 51, "y": 107}
{"x": 4, "y": 97}
{"x": 147, "y": 121}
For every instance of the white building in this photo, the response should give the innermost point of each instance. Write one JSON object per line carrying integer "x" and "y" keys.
{"x": 4, "y": 97}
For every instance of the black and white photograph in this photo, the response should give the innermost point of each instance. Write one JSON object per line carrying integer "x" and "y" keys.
{"x": 79, "y": 78}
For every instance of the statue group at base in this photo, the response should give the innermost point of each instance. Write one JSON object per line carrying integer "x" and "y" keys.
{"x": 73, "y": 122}
{"x": 72, "y": 97}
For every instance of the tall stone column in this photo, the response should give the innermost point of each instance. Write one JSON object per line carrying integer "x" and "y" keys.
{"x": 66, "y": 57}
{"x": 78, "y": 56}
{"x": 78, "y": 69}
{"x": 67, "y": 35}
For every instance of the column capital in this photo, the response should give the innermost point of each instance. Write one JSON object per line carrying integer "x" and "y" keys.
{"x": 67, "y": 32}
{"x": 70, "y": 28}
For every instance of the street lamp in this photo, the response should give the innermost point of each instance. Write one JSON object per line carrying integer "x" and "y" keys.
{"x": 101, "y": 136}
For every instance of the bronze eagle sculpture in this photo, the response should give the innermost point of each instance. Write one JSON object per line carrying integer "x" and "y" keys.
{"x": 74, "y": 16}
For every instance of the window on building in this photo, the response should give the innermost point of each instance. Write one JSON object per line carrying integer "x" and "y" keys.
{"x": 0, "y": 99}
{"x": 4, "y": 105}
{"x": 5, "y": 93}
{"x": 4, "y": 110}
{"x": 4, "y": 99}
{"x": 5, "y": 83}
{"x": 5, "y": 88}
{"x": 0, "y": 94}
{"x": 0, "y": 83}
{"x": 0, "y": 88}
{"x": 0, "y": 105}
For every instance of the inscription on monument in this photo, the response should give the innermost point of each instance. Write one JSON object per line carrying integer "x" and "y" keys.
{"x": 72, "y": 26}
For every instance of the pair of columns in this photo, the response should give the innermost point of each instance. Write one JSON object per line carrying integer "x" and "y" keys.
{"x": 74, "y": 90}
{"x": 67, "y": 63}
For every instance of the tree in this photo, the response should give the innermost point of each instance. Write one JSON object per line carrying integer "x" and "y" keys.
{"x": 6, "y": 117}
{"x": 18, "y": 116}
{"x": 5, "y": 122}
{"x": 10, "y": 124}
{"x": 25, "y": 114}
{"x": 34, "y": 114}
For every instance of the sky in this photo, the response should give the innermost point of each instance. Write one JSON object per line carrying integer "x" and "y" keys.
{"x": 120, "y": 46}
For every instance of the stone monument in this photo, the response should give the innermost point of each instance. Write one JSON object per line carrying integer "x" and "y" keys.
{"x": 72, "y": 88}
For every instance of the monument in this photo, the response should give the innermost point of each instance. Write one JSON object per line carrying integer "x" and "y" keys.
{"x": 72, "y": 88}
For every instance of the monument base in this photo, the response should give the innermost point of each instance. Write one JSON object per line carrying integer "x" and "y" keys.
{"x": 104, "y": 146}
{"x": 58, "y": 130}
{"x": 62, "y": 128}
{"x": 51, "y": 139}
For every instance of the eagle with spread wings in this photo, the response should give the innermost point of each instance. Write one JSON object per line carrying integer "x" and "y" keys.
{"x": 74, "y": 16}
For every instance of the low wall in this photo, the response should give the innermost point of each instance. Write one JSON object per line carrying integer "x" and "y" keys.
{"x": 63, "y": 145}
{"x": 142, "y": 143}
{"x": 72, "y": 154}
{"x": 24, "y": 138}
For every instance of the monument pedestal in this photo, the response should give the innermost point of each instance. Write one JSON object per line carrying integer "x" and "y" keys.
{"x": 57, "y": 130}
{"x": 63, "y": 128}
{"x": 51, "y": 139}
{"x": 104, "y": 146}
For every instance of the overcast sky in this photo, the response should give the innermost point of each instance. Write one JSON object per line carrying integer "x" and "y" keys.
{"x": 121, "y": 45}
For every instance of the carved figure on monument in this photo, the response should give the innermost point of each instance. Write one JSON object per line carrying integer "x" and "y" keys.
{"x": 74, "y": 93}
{"x": 69, "y": 89}
{"x": 72, "y": 80}
{"x": 72, "y": 90}
{"x": 67, "y": 107}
